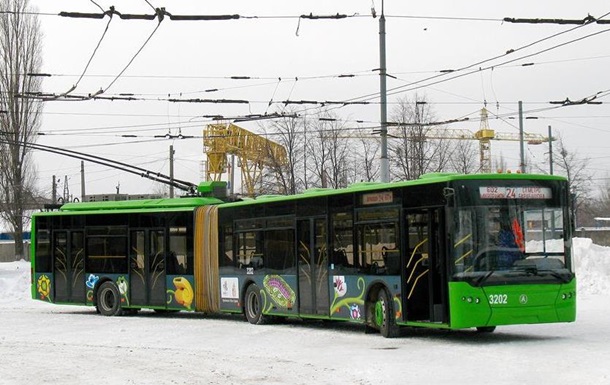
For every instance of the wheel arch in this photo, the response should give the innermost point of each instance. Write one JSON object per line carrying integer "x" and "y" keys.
{"x": 242, "y": 293}
{"x": 97, "y": 286}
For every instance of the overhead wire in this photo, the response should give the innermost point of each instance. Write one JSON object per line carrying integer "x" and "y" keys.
{"x": 510, "y": 51}
{"x": 161, "y": 17}
{"x": 129, "y": 168}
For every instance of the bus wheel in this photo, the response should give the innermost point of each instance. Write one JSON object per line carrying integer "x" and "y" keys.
{"x": 486, "y": 329}
{"x": 109, "y": 299}
{"x": 254, "y": 306}
{"x": 384, "y": 315}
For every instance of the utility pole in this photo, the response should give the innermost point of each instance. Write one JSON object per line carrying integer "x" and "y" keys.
{"x": 171, "y": 171}
{"x": 385, "y": 166}
{"x": 66, "y": 190}
{"x": 54, "y": 191}
{"x": 521, "y": 142}
{"x": 550, "y": 151}
{"x": 82, "y": 181}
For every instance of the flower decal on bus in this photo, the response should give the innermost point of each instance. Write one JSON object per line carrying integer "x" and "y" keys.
{"x": 183, "y": 294}
{"x": 280, "y": 292}
{"x": 121, "y": 282}
{"x": 340, "y": 285}
{"x": 92, "y": 280}
{"x": 44, "y": 287}
{"x": 352, "y": 304}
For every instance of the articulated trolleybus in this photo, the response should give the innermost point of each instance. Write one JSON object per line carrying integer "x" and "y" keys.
{"x": 444, "y": 251}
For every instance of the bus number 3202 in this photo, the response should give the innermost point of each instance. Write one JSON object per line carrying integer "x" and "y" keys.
{"x": 498, "y": 299}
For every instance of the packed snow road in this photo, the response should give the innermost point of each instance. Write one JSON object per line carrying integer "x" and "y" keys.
{"x": 54, "y": 344}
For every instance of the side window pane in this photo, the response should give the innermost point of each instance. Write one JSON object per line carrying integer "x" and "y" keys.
{"x": 177, "y": 262}
{"x": 107, "y": 255}
{"x": 226, "y": 255}
{"x": 43, "y": 252}
{"x": 342, "y": 238}
{"x": 157, "y": 252}
{"x": 279, "y": 250}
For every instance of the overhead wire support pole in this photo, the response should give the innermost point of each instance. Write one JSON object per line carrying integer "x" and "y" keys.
{"x": 521, "y": 142}
{"x": 385, "y": 166}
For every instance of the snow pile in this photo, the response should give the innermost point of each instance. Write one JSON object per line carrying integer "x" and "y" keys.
{"x": 591, "y": 261}
{"x": 592, "y": 266}
{"x": 14, "y": 281}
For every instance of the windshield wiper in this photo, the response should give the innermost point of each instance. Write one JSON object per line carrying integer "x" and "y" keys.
{"x": 483, "y": 278}
{"x": 563, "y": 278}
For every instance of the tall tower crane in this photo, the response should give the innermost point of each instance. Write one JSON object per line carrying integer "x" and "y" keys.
{"x": 484, "y": 135}
{"x": 253, "y": 151}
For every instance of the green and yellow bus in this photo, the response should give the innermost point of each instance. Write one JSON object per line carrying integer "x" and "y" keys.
{"x": 445, "y": 251}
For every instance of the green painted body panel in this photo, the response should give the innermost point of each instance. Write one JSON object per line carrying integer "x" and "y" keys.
{"x": 511, "y": 304}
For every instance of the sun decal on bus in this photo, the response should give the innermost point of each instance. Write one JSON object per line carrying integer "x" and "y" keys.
{"x": 352, "y": 304}
{"x": 44, "y": 287}
{"x": 183, "y": 294}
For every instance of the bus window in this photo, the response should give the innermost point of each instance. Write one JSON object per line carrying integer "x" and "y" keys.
{"x": 226, "y": 255}
{"x": 250, "y": 249}
{"x": 376, "y": 243}
{"x": 497, "y": 242}
{"x": 279, "y": 250}
{"x": 178, "y": 263}
{"x": 463, "y": 247}
{"x": 107, "y": 255}
{"x": 418, "y": 238}
{"x": 157, "y": 252}
{"x": 342, "y": 241}
{"x": 43, "y": 252}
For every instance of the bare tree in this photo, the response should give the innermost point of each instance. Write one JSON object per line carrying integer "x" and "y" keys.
{"x": 285, "y": 176}
{"x": 575, "y": 168}
{"x": 20, "y": 55}
{"x": 367, "y": 169}
{"x": 413, "y": 152}
{"x": 328, "y": 151}
{"x": 464, "y": 158}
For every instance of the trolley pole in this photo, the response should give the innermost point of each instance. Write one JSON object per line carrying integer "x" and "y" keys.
{"x": 385, "y": 166}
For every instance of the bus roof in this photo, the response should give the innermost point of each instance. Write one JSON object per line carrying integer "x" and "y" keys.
{"x": 164, "y": 204}
{"x": 190, "y": 203}
{"x": 369, "y": 186}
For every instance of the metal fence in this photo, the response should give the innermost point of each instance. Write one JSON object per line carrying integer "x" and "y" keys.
{"x": 7, "y": 251}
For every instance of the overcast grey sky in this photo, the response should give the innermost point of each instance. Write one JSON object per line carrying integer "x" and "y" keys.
{"x": 183, "y": 59}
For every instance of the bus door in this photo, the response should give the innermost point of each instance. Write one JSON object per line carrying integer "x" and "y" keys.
{"x": 313, "y": 266}
{"x": 147, "y": 267}
{"x": 69, "y": 266}
{"x": 425, "y": 278}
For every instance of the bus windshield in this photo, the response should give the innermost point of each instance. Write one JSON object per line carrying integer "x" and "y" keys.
{"x": 510, "y": 242}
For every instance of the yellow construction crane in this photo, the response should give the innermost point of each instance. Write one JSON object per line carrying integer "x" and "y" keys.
{"x": 253, "y": 152}
{"x": 484, "y": 135}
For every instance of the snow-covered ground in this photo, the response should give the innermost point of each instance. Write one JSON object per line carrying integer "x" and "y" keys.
{"x": 51, "y": 344}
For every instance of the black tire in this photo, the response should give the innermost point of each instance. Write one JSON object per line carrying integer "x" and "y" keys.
{"x": 486, "y": 329}
{"x": 384, "y": 315}
{"x": 253, "y": 306}
{"x": 109, "y": 299}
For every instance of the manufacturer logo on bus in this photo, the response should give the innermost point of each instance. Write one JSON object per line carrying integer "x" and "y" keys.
{"x": 523, "y": 299}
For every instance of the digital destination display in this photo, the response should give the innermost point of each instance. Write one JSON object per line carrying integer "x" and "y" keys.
{"x": 495, "y": 192}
